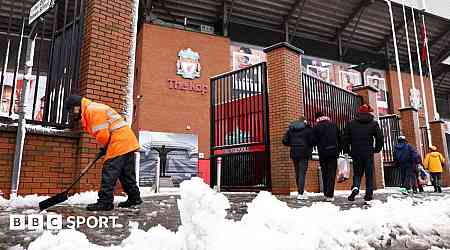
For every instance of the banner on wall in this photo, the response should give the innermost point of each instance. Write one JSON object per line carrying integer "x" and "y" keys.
{"x": 177, "y": 155}
{"x": 349, "y": 79}
{"x": 7, "y": 95}
{"x": 376, "y": 79}
{"x": 244, "y": 55}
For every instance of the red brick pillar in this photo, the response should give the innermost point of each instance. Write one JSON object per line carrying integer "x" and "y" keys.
{"x": 410, "y": 127}
{"x": 105, "y": 57}
{"x": 369, "y": 96}
{"x": 438, "y": 139}
{"x": 285, "y": 106}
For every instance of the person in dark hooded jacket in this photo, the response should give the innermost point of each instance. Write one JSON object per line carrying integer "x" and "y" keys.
{"x": 359, "y": 137}
{"x": 405, "y": 157}
{"x": 299, "y": 137}
{"x": 327, "y": 138}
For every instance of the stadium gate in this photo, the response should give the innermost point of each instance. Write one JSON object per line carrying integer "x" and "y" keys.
{"x": 239, "y": 129}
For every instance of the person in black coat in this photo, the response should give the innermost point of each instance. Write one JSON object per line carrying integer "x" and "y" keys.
{"x": 299, "y": 137}
{"x": 359, "y": 137}
{"x": 327, "y": 138}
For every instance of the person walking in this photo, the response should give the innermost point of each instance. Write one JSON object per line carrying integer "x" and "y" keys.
{"x": 327, "y": 138}
{"x": 405, "y": 157}
{"x": 299, "y": 137}
{"x": 434, "y": 162}
{"x": 118, "y": 143}
{"x": 359, "y": 137}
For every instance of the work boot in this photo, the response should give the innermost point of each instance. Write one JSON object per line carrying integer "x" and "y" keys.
{"x": 368, "y": 197}
{"x": 421, "y": 189}
{"x": 355, "y": 192}
{"x": 439, "y": 189}
{"x": 100, "y": 207}
{"x": 130, "y": 202}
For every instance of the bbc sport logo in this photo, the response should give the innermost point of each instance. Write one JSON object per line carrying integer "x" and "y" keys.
{"x": 55, "y": 222}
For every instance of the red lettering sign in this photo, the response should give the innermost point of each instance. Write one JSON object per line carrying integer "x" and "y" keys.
{"x": 187, "y": 86}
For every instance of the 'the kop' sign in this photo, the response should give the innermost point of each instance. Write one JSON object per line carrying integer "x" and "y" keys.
{"x": 40, "y": 8}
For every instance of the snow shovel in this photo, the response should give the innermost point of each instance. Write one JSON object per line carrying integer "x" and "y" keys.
{"x": 61, "y": 197}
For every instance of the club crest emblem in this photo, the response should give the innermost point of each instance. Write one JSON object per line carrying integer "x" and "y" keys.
{"x": 188, "y": 65}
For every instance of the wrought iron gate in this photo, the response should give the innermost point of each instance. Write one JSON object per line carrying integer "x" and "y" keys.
{"x": 56, "y": 61}
{"x": 239, "y": 129}
{"x": 391, "y": 130}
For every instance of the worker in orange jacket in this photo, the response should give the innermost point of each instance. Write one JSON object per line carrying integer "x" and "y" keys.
{"x": 118, "y": 146}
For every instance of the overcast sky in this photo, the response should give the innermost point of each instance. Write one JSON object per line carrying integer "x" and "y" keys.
{"x": 436, "y": 7}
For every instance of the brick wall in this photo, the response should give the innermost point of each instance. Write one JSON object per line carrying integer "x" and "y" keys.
{"x": 394, "y": 92}
{"x": 162, "y": 109}
{"x": 105, "y": 58}
{"x": 439, "y": 140}
{"x": 48, "y": 165}
{"x": 285, "y": 106}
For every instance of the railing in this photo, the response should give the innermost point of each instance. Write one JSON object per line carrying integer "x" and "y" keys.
{"x": 425, "y": 142}
{"x": 238, "y": 107}
{"x": 56, "y": 61}
{"x": 338, "y": 104}
{"x": 390, "y": 126}
{"x": 239, "y": 128}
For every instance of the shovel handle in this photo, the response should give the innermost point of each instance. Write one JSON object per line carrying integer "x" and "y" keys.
{"x": 85, "y": 170}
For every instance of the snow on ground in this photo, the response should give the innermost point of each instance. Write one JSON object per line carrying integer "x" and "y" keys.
{"x": 84, "y": 198}
{"x": 271, "y": 225}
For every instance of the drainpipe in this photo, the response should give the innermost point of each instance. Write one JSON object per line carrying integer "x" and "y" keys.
{"x": 20, "y": 138}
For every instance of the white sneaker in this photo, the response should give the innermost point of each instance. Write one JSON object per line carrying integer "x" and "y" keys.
{"x": 329, "y": 199}
{"x": 302, "y": 197}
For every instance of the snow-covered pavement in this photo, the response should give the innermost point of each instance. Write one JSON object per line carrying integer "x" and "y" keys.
{"x": 205, "y": 220}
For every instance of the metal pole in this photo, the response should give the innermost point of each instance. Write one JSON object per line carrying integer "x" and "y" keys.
{"x": 436, "y": 115}
{"x": 422, "y": 85}
{"x": 137, "y": 164}
{"x": 20, "y": 138}
{"x": 397, "y": 61}
{"x": 158, "y": 172}
{"x": 219, "y": 168}
{"x": 409, "y": 47}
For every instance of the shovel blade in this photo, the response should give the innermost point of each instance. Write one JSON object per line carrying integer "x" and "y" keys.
{"x": 59, "y": 198}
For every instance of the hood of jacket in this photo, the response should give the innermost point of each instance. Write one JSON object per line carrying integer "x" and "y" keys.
{"x": 400, "y": 145}
{"x": 364, "y": 117}
{"x": 297, "y": 125}
{"x": 434, "y": 154}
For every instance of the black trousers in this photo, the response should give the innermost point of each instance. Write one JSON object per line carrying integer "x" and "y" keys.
{"x": 122, "y": 168}
{"x": 436, "y": 180}
{"x": 328, "y": 168}
{"x": 361, "y": 166}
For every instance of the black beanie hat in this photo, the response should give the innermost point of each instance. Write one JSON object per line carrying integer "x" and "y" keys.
{"x": 72, "y": 101}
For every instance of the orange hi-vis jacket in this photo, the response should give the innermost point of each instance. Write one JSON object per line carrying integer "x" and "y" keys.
{"x": 103, "y": 122}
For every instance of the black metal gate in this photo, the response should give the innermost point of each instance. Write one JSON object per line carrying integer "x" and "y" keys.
{"x": 56, "y": 63}
{"x": 239, "y": 129}
{"x": 425, "y": 141}
{"x": 391, "y": 130}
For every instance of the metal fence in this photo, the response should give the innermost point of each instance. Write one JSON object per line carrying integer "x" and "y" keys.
{"x": 425, "y": 142}
{"x": 239, "y": 128}
{"x": 391, "y": 130}
{"x": 337, "y": 103}
{"x": 56, "y": 61}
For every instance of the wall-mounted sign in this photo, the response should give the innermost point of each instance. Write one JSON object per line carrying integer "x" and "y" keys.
{"x": 415, "y": 98}
{"x": 40, "y": 8}
{"x": 188, "y": 65}
{"x": 188, "y": 86}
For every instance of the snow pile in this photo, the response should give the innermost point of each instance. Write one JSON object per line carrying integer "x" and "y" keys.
{"x": 30, "y": 201}
{"x": 88, "y": 198}
{"x": 271, "y": 225}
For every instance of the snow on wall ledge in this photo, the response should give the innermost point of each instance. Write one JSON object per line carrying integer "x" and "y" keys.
{"x": 271, "y": 225}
